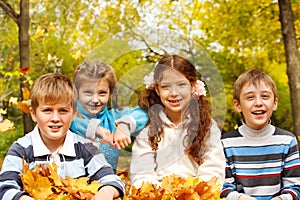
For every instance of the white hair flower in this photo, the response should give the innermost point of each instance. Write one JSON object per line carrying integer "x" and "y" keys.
{"x": 199, "y": 89}
{"x": 149, "y": 81}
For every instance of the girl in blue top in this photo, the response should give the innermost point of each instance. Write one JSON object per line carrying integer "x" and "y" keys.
{"x": 95, "y": 82}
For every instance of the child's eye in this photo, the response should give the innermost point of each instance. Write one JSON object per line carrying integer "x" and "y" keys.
{"x": 88, "y": 93}
{"x": 182, "y": 84}
{"x": 265, "y": 96}
{"x": 46, "y": 110}
{"x": 164, "y": 86}
{"x": 249, "y": 97}
{"x": 102, "y": 93}
{"x": 64, "y": 111}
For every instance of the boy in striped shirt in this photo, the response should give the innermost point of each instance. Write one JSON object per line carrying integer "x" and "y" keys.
{"x": 53, "y": 107}
{"x": 262, "y": 161}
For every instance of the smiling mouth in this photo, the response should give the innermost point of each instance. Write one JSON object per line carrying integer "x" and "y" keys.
{"x": 95, "y": 106}
{"x": 55, "y": 126}
{"x": 259, "y": 112}
{"x": 175, "y": 101}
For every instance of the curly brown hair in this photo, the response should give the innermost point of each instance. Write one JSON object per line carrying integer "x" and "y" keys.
{"x": 199, "y": 109}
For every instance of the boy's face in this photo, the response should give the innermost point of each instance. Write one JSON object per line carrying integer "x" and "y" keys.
{"x": 94, "y": 95}
{"x": 54, "y": 120}
{"x": 256, "y": 104}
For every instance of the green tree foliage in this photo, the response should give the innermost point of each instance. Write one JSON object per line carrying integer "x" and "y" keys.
{"x": 224, "y": 38}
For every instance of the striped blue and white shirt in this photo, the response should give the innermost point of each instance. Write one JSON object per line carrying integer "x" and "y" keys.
{"x": 262, "y": 164}
{"x": 77, "y": 158}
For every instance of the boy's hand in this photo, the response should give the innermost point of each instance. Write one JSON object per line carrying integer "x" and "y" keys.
{"x": 121, "y": 137}
{"x": 25, "y": 197}
{"x": 106, "y": 193}
{"x": 104, "y": 134}
{"x": 246, "y": 197}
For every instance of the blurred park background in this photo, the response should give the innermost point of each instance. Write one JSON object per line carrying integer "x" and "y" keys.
{"x": 223, "y": 38}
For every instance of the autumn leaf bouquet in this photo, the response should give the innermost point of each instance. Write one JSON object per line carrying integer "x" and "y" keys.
{"x": 177, "y": 188}
{"x": 44, "y": 183}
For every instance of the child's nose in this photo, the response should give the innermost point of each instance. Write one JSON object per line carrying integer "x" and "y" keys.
{"x": 174, "y": 91}
{"x": 95, "y": 98}
{"x": 55, "y": 116}
{"x": 258, "y": 101}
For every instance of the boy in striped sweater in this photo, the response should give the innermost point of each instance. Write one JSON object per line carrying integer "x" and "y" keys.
{"x": 262, "y": 161}
{"x": 53, "y": 107}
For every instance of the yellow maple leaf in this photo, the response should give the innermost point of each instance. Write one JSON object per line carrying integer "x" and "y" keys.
{"x": 3, "y": 112}
{"x": 13, "y": 100}
{"x": 24, "y": 105}
{"x": 174, "y": 187}
{"x": 44, "y": 183}
{"x": 25, "y": 93}
{"x": 6, "y": 125}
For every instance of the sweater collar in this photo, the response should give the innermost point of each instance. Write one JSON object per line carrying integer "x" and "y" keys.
{"x": 265, "y": 132}
{"x": 169, "y": 123}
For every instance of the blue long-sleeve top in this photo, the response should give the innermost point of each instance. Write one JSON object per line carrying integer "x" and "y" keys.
{"x": 135, "y": 117}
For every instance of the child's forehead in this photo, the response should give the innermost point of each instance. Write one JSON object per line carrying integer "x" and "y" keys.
{"x": 88, "y": 82}
{"x": 257, "y": 84}
{"x": 62, "y": 100}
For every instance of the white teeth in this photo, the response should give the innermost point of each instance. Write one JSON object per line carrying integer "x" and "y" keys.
{"x": 55, "y": 126}
{"x": 258, "y": 112}
{"x": 174, "y": 101}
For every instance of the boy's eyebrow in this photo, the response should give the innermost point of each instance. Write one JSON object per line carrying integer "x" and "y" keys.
{"x": 264, "y": 91}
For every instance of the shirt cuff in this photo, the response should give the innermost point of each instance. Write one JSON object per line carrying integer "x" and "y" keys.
{"x": 91, "y": 128}
{"x": 127, "y": 120}
{"x": 233, "y": 195}
{"x": 286, "y": 197}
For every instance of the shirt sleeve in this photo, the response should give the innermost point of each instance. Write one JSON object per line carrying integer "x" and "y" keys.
{"x": 10, "y": 181}
{"x": 291, "y": 172}
{"x": 99, "y": 169}
{"x": 142, "y": 165}
{"x": 79, "y": 126}
{"x": 136, "y": 117}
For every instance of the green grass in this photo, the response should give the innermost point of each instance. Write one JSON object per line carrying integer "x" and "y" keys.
{"x": 6, "y": 139}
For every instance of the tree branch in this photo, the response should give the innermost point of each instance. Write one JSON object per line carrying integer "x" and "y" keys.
{"x": 9, "y": 10}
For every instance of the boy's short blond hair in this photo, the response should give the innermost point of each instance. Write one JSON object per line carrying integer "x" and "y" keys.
{"x": 254, "y": 77}
{"x": 53, "y": 87}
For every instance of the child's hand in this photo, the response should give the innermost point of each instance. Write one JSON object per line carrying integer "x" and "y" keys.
{"x": 246, "y": 197}
{"x": 121, "y": 137}
{"x": 25, "y": 197}
{"x": 104, "y": 134}
{"x": 106, "y": 193}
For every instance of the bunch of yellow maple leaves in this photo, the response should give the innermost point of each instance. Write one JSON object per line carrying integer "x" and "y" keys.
{"x": 44, "y": 183}
{"x": 177, "y": 188}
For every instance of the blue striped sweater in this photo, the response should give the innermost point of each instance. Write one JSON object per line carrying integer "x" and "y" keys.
{"x": 77, "y": 158}
{"x": 262, "y": 164}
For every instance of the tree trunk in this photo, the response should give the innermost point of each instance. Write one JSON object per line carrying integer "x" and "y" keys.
{"x": 291, "y": 53}
{"x": 24, "y": 52}
{"x": 22, "y": 21}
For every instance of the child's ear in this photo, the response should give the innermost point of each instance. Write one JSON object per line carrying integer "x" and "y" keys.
{"x": 237, "y": 105}
{"x": 275, "y": 104}
{"x": 156, "y": 90}
{"x": 74, "y": 114}
{"x": 32, "y": 113}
